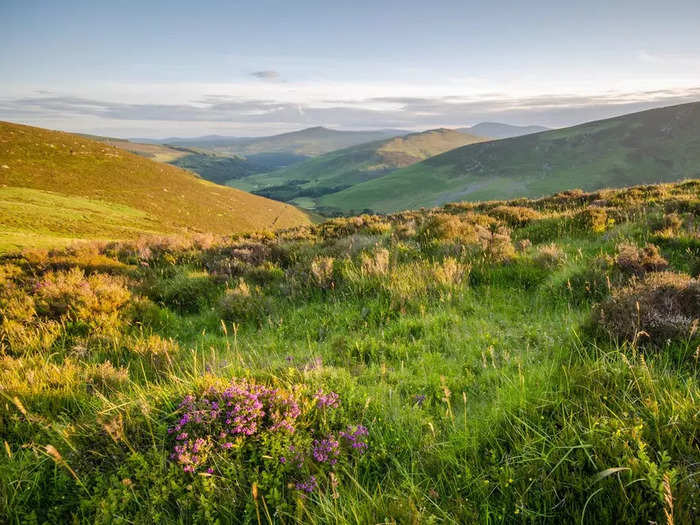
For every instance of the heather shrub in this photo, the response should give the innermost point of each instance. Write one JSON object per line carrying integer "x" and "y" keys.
{"x": 661, "y": 307}
{"x": 73, "y": 295}
{"x": 281, "y": 440}
{"x": 635, "y": 261}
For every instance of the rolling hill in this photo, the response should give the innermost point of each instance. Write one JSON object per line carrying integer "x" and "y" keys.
{"x": 659, "y": 145}
{"x": 306, "y": 142}
{"x": 207, "y": 164}
{"x": 55, "y": 187}
{"x": 496, "y": 130}
{"x": 303, "y": 183}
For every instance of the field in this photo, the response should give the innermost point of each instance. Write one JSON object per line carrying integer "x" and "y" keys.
{"x": 533, "y": 361}
{"x": 56, "y": 187}
{"x": 660, "y": 145}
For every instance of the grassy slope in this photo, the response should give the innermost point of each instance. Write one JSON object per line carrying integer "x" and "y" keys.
{"x": 92, "y": 177}
{"x": 651, "y": 146}
{"x": 350, "y": 166}
{"x": 524, "y": 418}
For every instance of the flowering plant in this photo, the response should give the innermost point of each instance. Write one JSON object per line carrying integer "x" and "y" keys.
{"x": 257, "y": 421}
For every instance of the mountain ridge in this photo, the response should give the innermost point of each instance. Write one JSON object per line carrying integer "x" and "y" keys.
{"x": 657, "y": 145}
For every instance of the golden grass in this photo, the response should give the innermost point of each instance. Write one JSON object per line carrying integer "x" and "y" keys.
{"x": 158, "y": 197}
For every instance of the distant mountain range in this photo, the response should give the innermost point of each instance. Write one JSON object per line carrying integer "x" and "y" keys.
{"x": 659, "y": 145}
{"x": 496, "y": 130}
{"x": 307, "y": 142}
{"x": 304, "y": 182}
{"x": 57, "y": 187}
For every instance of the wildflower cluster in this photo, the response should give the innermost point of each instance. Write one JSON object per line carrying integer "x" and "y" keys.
{"x": 249, "y": 414}
{"x": 330, "y": 400}
{"x": 219, "y": 419}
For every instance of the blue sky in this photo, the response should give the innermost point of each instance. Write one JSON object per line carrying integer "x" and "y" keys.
{"x": 251, "y": 68}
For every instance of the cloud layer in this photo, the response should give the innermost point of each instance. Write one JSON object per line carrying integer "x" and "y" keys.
{"x": 268, "y": 114}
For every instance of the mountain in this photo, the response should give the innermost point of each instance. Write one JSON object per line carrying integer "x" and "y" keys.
{"x": 496, "y": 130}
{"x": 308, "y": 142}
{"x": 56, "y": 186}
{"x": 658, "y": 145}
{"x": 303, "y": 183}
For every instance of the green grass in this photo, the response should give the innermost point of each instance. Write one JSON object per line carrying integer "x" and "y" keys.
{"x": 43, "y": 218}
{"x": 659, "y": 145}
{"x": 488, "y": 396}
{"x": 131, "y": 194}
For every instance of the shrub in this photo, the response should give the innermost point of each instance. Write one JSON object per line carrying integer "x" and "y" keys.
{"x": 515, "y": 215}
{"x": 549, "y": 256}
{"x": 632, "y": 260}
{"x": 496, "y": 243}
{"x": 444, "y": 227}
{"x": 591, "y": 219}
{"x": 243, "y": 303}
{"x": 246, "y": 428}
{"x": 663, "y": 306}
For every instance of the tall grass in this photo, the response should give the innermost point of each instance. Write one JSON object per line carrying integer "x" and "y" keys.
{"x": 489, "y": 390}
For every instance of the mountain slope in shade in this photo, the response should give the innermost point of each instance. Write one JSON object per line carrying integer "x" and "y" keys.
{"x": 62, "y": 185}
{"x": 496, "y": 130}
{"x": 303, "y": 183}
{"x": 309, "y": 142}
{"x": 659, "y": 145}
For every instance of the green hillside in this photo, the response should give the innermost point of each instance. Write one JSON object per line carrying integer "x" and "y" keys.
{"x": 55, "y": 187}
{"x": 302, "y": 184}
{"x": 651, "y": 146}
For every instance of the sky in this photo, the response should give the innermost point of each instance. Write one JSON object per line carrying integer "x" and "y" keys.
{"x": 162, "y": 69}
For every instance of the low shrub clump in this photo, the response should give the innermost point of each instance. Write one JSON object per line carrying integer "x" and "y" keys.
{"x": 635, "y": 261}
{"x": 266, "y": 436}
{"x": 662, "y": 307}
{"x": 549, "y": 256}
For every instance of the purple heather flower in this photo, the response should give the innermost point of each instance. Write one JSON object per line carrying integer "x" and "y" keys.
{"x": 326, "y": 450}
{"x": 307, "y": 486}
{"x": 418, "y": 399}
{"x": 330, "y": 400}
